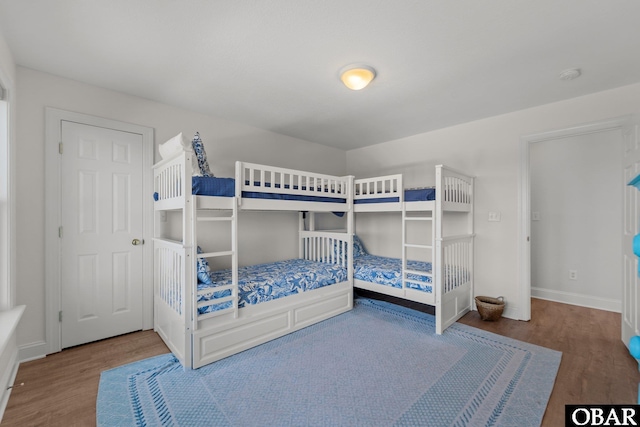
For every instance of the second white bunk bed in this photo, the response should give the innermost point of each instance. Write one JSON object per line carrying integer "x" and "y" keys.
{"x": 444, "y": 278}
{"x": 202, "y": 323}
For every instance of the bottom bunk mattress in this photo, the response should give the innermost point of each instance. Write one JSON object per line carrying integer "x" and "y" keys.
{"x": 388, "y": 271}
{"x": 266, "y": 282}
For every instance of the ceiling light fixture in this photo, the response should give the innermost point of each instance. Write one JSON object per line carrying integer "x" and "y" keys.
{"x": 570, "y": 74}
{"x": 357, "y": 77}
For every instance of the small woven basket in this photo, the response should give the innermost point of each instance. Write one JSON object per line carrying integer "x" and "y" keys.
{"x": 490, "y": 308}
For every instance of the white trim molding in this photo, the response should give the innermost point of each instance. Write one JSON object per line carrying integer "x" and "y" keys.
{"x": 32, "y": 351}
{"x": 53, "y": 135}
{"x": 577, "y": 299}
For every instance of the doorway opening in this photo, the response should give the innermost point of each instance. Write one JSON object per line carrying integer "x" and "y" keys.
{"x": 524, "y": 200}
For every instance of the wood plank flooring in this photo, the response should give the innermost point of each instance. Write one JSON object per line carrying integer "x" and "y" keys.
{"x": 61, "y": 389}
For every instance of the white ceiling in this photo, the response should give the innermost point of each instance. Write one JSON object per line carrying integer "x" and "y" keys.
{"x": 274, "y": 64}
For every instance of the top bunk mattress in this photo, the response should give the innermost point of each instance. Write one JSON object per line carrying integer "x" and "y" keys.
{"x": 226, "y": 187}
{"x": 410, "y": 195}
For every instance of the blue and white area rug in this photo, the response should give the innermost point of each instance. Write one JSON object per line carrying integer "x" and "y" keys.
{"x": 377, "y": 365}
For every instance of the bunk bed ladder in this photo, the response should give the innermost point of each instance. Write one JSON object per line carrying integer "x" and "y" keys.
{"x": 406, "y": 272}
{"x": 232, "y": 221}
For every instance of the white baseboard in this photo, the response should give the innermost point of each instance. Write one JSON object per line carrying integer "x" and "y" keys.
{"x": 511, "y": 311}
{"x": 599, "y": 303}
{"x": 33, "y": 351}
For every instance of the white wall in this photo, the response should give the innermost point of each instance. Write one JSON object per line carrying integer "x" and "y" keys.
{"x": 225, "y": 142}
{"x": 7, "y": 64}
{"x": 575, "y": 189}
{"x": 489, "y": 149}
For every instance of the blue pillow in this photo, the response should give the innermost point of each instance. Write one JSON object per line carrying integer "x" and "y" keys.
{"x": 201, "y": 155}
{"x": 203, "y": 270}
{"x": 358, "y": 247}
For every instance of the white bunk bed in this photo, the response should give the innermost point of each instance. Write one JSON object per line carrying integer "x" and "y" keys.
{"x": 445, "y": 280}
{"x": 203, "y": 324}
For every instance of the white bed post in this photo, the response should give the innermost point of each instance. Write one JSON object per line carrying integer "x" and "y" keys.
{"x": 350, "y": 231}
{"x": 301, "y": 228}
{"x": 238, "y": 182}
{"x": 403, "y": 282}
{"x": 472, "y": 233}
{"x": 234, "y": 256}
{"x": 312, "y": 221}
{"x": 438, "y": 258}
{"x": 188, "y": 231}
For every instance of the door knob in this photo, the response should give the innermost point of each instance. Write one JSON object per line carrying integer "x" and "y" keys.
{"x": 136, "y": 242}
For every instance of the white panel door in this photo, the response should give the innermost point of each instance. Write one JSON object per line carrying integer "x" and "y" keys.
{"x": 631, "y": 218}
{"x": 101, "y": 234}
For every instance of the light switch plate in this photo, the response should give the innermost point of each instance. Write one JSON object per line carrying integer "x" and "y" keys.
{"x": 494, "y": 216}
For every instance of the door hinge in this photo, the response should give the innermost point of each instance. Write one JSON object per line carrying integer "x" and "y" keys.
{"x": 60, "y": 147}
{"x": 60, "y": 232}
{"x": 60, "y": 316}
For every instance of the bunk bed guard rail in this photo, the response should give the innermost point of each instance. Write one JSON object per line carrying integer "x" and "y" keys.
{"x": 379, "y": 187}
{"x": 453, "y": 187}
{"x": 251, "y": 177}
{"x": 327, "y": 247}
{"x": 170, "y": 183}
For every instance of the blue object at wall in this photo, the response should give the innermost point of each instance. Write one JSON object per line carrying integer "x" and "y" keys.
{"x": 636, "y": 240}
{"x": 635, "y": 182}
{"x": 636, "y": 245}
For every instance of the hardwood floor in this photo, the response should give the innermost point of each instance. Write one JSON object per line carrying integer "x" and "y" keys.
{"x": 61, "y": 389}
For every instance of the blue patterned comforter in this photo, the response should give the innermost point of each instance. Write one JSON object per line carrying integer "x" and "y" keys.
{"x": 388, "y": 271}
{"x": 266, "y": 282}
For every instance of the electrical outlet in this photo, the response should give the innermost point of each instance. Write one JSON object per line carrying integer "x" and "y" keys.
{"x": 163, "y": 216}
{"x": 535, "y": 216}
{"x": 573, "y": 274}
{"x": 494, "y": 216}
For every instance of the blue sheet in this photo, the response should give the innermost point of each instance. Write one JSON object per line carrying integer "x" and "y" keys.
{"x": 213, "y": 186}
{"x": 410, "y": 195}
{"x": 266, "y": 282}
